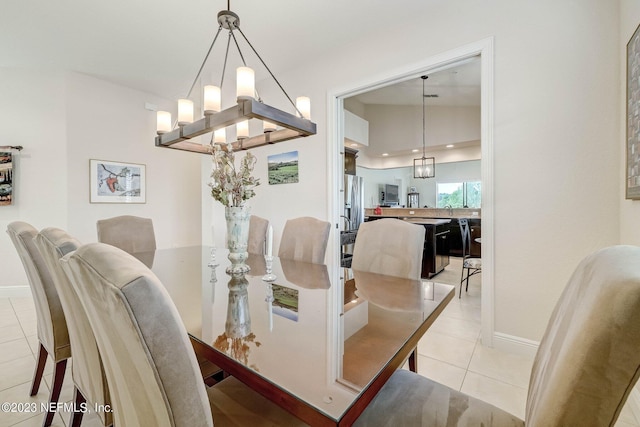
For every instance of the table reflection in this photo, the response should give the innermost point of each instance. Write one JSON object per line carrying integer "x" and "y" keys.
{"x": 297, "y": 333}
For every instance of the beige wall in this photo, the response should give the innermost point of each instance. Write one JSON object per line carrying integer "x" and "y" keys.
{"x": 402, "y": 126}
{"x": 556, "y": 145}
{"x": 65, "y": 119}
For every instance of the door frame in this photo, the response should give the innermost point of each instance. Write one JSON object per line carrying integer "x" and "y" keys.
{"x": 335, "y": 148}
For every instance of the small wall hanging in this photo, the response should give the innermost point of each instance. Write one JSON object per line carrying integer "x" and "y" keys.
{"x": 283, "y": 168}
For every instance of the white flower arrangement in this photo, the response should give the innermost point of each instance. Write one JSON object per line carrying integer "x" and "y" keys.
{"x": 229, "y": 186}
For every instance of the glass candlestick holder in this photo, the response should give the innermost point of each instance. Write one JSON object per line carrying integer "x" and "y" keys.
{"x": 269, "y": 277}
{"x": 212, "y": 261}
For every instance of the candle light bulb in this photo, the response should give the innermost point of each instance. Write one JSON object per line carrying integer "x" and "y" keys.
{"x": 268, "y": 126}
{"x": 185, "y": 112}
{"x": 303, "y": 104}
{"x": 245, "y": 81}
{"x": 212, "y": 99}
{"x": 163, "y": 122}
{"x": 220, "y": 136}
{"x": 242, "y": 129}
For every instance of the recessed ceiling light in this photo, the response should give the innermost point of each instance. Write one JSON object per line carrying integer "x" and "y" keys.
{"x": 354, "y": 145}
{"x": 385, "y": 154}
{"x": 450, "y": 146}
{"x": 415, "y": 150}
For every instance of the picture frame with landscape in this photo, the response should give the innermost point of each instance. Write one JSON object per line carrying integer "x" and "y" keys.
{"x": 283, "y": 168}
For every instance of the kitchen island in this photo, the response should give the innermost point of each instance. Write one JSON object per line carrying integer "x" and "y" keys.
{"x": 435, "y": 255}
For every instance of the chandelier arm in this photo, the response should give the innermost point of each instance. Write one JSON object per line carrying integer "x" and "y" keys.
{"x": 224, "y": 65}
{"x": 272, "y": 75}
{"x": 204, "y": 62}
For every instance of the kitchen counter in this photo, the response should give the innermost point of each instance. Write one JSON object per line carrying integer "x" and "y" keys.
{"x": 427, "y": 221}
{"x": 424, "y": 213}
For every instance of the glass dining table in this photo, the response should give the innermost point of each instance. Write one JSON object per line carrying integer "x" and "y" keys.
{"x": 319, "y": 350}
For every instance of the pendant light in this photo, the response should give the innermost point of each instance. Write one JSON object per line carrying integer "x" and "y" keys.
{"x": 278, "y": 125}
{"x": 424, "y": 167}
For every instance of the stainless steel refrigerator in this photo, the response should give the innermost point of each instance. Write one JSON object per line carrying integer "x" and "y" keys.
{"x": 353, "y": 201}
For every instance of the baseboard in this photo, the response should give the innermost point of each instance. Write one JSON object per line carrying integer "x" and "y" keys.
{"x": 14, "y": 291}
{"x": 516, "y": 345}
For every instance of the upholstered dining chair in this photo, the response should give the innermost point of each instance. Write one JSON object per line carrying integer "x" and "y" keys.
{"x": 88, "y": 373}
{"x": 470, "y": 265}
{"x": 149, "y": 362}
{"x": 257, "y": 235}
{"x": 304, "y": 239}
{"x": 586, "y": 365}
{"x": 132, "y": 234}
{"x": 53, "y": 335}
{"x": 391, "y": 247}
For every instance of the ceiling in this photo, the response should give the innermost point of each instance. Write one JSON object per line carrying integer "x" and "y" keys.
{"x": 157, "y": 45}
{"x": 455, "y": 86}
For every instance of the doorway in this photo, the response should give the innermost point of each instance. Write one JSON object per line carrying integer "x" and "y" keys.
{"x": 336, "y": 126}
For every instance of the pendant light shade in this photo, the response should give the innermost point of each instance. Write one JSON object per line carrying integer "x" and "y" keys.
{"x": 424, "y": 167}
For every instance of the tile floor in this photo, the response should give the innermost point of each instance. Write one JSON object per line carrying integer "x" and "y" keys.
{"x": 451, "y": 353}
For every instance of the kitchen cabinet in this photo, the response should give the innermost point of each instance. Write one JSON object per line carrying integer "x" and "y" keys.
{"x": 435, "y": 256}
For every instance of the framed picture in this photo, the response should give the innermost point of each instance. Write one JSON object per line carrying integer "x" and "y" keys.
{"x": 283, "y": 168}
{"x": 6, "y": 178}
{"x": 632, "y": 183}
{"x": 117, "y": 182}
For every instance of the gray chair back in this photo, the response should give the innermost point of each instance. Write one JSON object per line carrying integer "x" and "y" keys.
{"x": 87, "y": 369}
{"x": 305, "y": 239}
{"x": 389, "y": 246}
{"x": 52, "y": 325}
{"x": 589, "y": 357}
{"x": 130, "y": 233}
{"x": 257, "y": 235}
{"x": 149, "y": 361}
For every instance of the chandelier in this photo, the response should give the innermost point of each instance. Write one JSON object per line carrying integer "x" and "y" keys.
{"x": 277, "y": 125}
{"x": 424, "y": 167}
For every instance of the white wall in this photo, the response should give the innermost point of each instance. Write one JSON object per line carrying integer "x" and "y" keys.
{"x": 556, "y": 150}
{"x": 402, "y": 126}
{"x": 445, "y": 173}
{"x": 629, "y": 209}
{"x": 32, "y": 107}
{"x": 65, "y": 119}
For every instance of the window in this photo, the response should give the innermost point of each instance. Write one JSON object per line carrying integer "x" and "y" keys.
{"x": 459, "y": 194}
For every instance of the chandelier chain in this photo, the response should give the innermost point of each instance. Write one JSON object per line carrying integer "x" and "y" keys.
{"x": 424, "y": 78}
{"x": 204, "y": 62}
{"x": 269, "y": 70}
{"x": 224, "y": 65}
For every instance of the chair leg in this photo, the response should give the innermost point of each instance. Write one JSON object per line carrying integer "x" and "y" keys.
{"x": 76, "y": 416}
{"x": 58, "y": 376}
{"x": 467, "y": 287}
{"x": 461, "y": 280}
{"x": 413, "y": 361}
{"x": 37, "y": 374}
